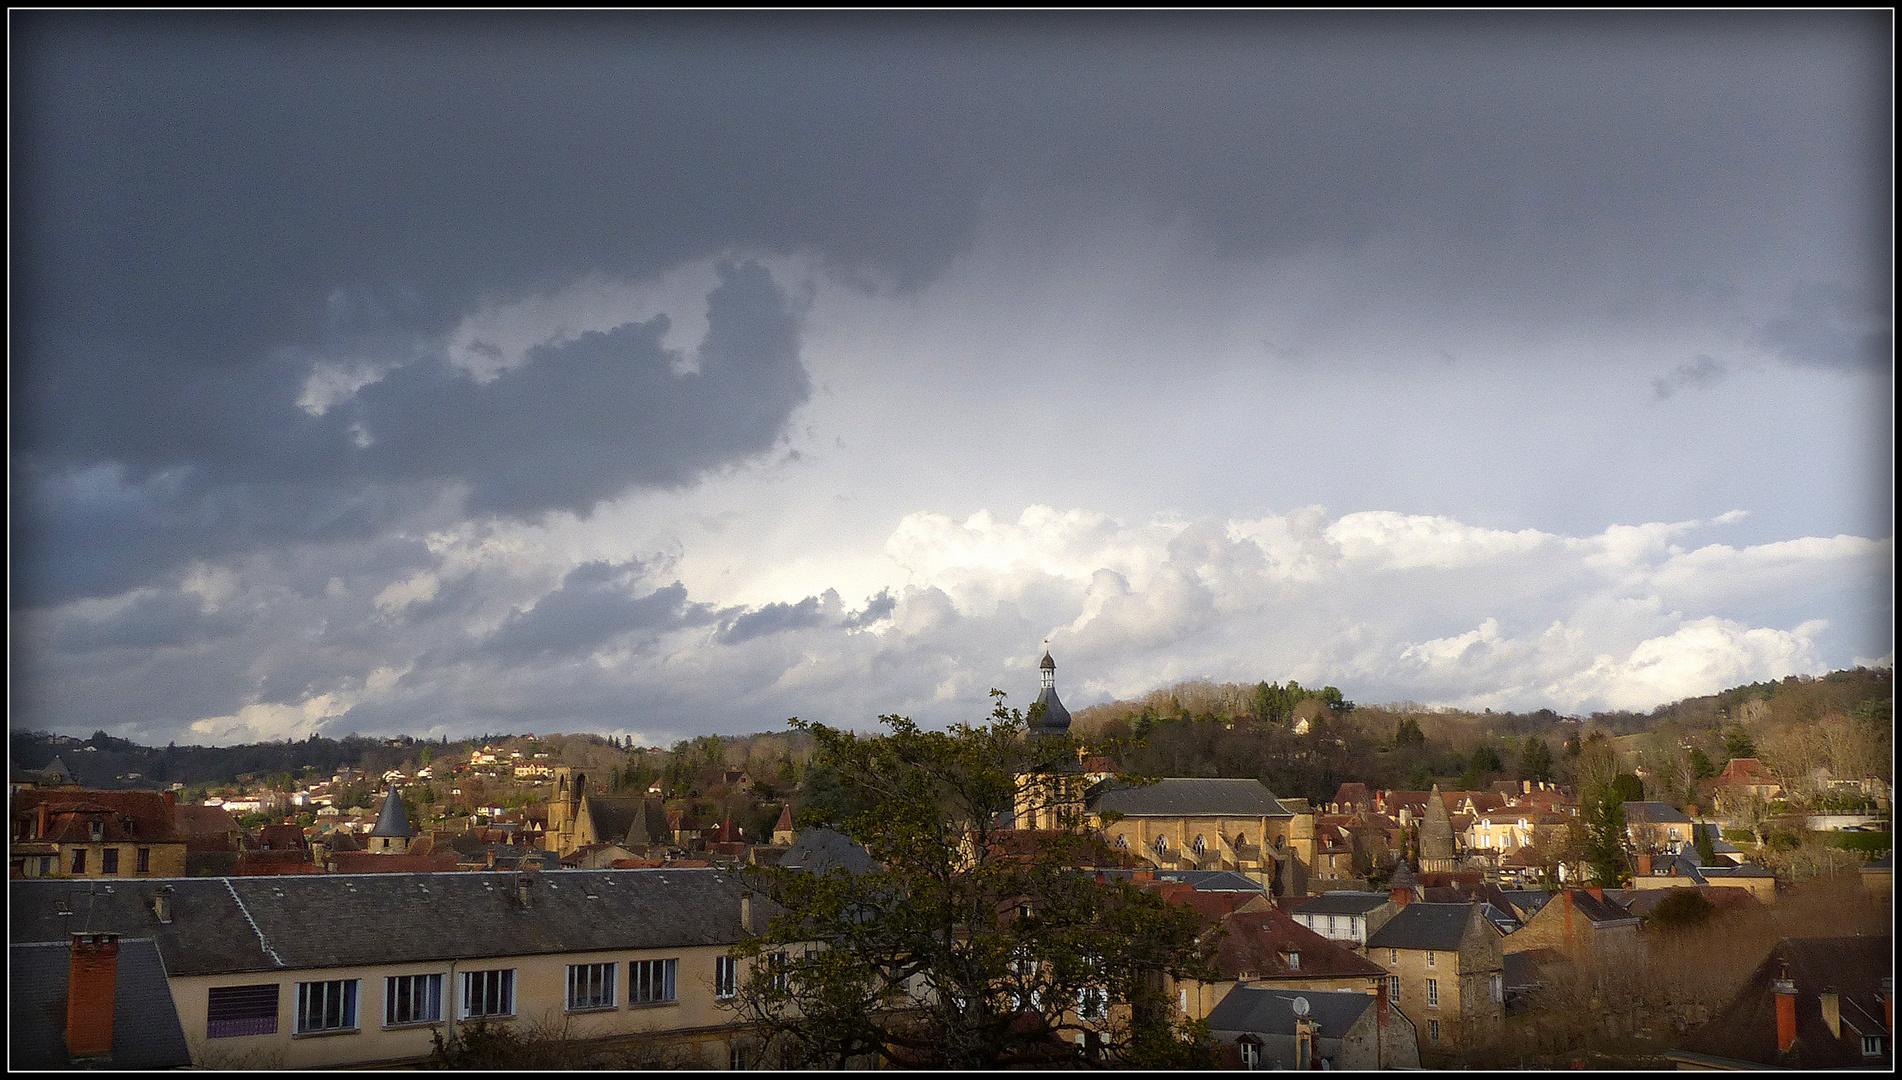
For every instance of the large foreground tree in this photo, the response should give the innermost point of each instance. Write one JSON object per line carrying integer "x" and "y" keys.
{"x": 969, "y": 944}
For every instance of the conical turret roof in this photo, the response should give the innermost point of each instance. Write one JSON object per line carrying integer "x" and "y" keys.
{"x": 393, "y": 821}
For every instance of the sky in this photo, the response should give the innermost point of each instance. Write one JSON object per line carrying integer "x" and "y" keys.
{"x": 669, "y": 374}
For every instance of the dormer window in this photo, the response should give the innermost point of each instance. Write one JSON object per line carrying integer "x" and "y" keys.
{"x": 98, "y": 829}
{"x": 1294, "y": 961}
{"x": 1872, "y": 1046}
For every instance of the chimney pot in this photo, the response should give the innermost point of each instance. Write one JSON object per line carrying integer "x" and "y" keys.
{"x": 1785, "y": 991}
{"x": 91, "y": 987}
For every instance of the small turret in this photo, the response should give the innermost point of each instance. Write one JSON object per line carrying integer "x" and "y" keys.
{"x": 1050, "y": 717}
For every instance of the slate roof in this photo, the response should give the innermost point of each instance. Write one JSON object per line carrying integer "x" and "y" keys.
{"x": 222, "y": 925}
{"x": 146, "y": 1033}
{"x": 1424, "y": 926}
{"x": 819, "y": 850}
{"x": 1051, "y": 717}
{"x": 1593, "y": 909}
{"x": 1271, "y": 1011}
{"x": 1654, "y": 813}
{"x": 640, "y": 822}
{"x": 1213, "y": 880}
{"x": 1187, "y": 797}
{"x": 1746, "y": 1029}
{"x": 393, "y": 821}
{"x": 1344, "y": 903}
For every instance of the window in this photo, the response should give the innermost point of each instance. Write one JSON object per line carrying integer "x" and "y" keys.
{"x": 98, "y": 830}
{"x": 412, "y": 999}
{"x": 1122, "y": 841}
{"x": 1161, "y": 844}
{"x": 79, "y": 861}
{"x": 1433, "y": 993}
{"x": 1872, "y": 1046}
{"x": 327, "y": 1006}
{"x": 46, "y": 866}
{"x": 736, "y": 1057}
{"x": 1429, "y": 958}
{"x": 231, "y": 1011}
{"x": 776, "y": 963}
{"x": 144, "y": 861}
{"x": 1251, "y": 1054}
{"x": 1294, "y": 961}
{"x": 1433, "y": 1031}
{"x": 1393, "y": 956}
{"x": 1092, "y": 1003}
{"x": 726, "y": 977}
{"x": 591, "y": 986}
{"x": 650, "y": 982}
{"x": 488, "y": 993}
{"x": 1198, "y": 845}
{"x": 109, "y": 861}
{"x": 1499, "y": 988}
{"x": 1393, "y": 988}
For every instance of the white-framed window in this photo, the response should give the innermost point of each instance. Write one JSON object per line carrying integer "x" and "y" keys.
{"x": 736, "y": 1057}
{"x": 1433, "y": 1031}
{"x": 488, "y": 993}
{"x": 412, "y": 999}
{"x": 776, "y": 963}
{"x": 1872, "y": 1046}
{"x": 651, "y": 982}
{"x": 1499, "y": 989}
{"x": 1251, "y": 1054}
{"x": 231, "y": 1011}
{"x": 1393, "y": 956}
{"x": 590, "y": 986}
{"x": 1429, "y": 958}
{"x": 726, "y": 977}
{"x": 1393, "y": 988}
{"x": 1333, "y": 925}
{"x": 327, "y": 1006}
{"x": 1092, "y": 1003}
{"x": 1433, "y": 993}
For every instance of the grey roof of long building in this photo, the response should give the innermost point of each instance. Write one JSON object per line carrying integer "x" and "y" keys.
{"x": 335, "y": 920}
{"x": 1187, "y": 797}
{"x": 1423, "y": 926}
{"x": 1271, "y": 1011}
{"x": 146, "y": 1033}
{"x": 1344, "y": 903}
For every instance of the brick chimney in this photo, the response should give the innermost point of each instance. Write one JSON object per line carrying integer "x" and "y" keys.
{"x": 1400, "y": 896}
{"x": 1597, "y": 891}
{"x": 1832, "y": 1011}
{"x": 171, "y": 800}
{"x": 91, "y": 983}
{"x": 1785, "y": 990}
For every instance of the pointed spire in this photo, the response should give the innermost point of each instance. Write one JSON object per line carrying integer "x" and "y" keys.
{"x": 1052, "y": 718}
{"x": 393, "y": 821}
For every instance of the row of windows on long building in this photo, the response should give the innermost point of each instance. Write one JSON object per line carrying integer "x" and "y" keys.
{"x": 333, "y": 1005}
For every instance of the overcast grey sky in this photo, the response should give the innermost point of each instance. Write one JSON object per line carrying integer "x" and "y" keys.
{"x": 671, "y": 374}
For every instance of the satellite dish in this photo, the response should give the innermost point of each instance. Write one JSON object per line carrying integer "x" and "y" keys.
{"x": 1301, "y": 1006}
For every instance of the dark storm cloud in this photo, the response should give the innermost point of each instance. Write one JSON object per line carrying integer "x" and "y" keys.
{"x": 1701, "y": 371}
{"x": 1832, "y": 326}
{"x": 205, "y": 203}
{"x": 878, "y": 607}
{"x": 154, "y": 621}
{"x": 592, "y": 607}
{"x": 771, "y": 619}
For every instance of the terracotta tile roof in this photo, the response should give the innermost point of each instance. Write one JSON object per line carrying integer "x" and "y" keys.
{"x": 1257, "y": 945}
{"x": 66, "y": 815}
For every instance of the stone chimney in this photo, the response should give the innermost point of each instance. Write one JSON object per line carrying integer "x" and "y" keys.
{"x": 1832, "y": 1011}
{"x": 746, "y": 912}
{"x": 162, "y": 904}
{"x": 1305, "y": 1031}
{"x": 92, "y": 982}
{"x": 1381, "y": 1021}
{"x": 1785, "y": 990}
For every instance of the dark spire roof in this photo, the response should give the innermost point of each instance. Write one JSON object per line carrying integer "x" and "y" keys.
{"x": 393, "y": 821}
{"x": 1052, "y": 718}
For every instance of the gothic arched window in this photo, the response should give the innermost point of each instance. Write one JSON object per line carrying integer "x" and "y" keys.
{"x": 1198, "y": 845}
